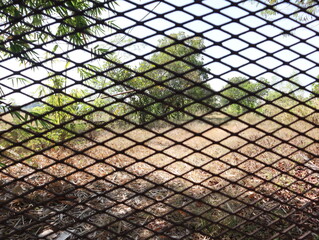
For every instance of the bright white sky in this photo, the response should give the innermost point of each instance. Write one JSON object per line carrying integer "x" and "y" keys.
{"x": 219, "y": 42}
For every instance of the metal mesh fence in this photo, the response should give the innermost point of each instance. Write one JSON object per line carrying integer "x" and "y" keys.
{"x": 159, "y": 119}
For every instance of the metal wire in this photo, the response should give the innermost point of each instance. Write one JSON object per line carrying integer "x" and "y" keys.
{"x": 203, "y": 124}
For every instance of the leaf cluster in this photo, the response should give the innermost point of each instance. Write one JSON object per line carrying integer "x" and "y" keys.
{"x": 172, "y": 79}
{"x": 240, "y": 94}
{"x": 34, "y": 22}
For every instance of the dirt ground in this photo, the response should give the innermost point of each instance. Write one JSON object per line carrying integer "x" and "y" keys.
{"x": 196, "y": 181}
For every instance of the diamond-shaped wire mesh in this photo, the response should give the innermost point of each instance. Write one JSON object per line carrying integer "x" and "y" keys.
{"x": 159, "y": 119}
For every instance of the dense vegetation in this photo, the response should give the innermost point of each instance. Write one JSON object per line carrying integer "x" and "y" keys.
{"x": 169, "y": 84}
